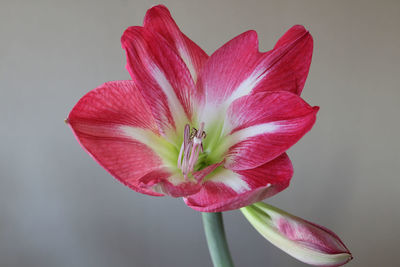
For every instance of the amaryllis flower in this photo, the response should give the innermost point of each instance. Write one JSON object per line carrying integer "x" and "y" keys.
{"x": 213, "y": 130}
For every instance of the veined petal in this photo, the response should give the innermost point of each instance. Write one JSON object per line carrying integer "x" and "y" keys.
{"x": 169, "y": 184}
{"x": 200, "y": 175}
{"x": 261, "y": 126}
{"x": 162, "y": 77}
{"x": 286, "y": 67}
{"x": 159, "y": 19}
{"x": 238, "y": 69}
{"x": 227, "y": 190}
{"x": 117, "y": 128}
{"x": 99, "y": 121}
{"x": 175, "y": 185}
{"x": 228, "y": 68}
{"x": 305, "y": 241}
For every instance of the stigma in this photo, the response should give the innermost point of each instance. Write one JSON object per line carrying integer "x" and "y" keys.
{"x": 191, "y": 148}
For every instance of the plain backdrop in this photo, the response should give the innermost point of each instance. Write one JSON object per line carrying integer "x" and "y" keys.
{"x": 59, "y": 208}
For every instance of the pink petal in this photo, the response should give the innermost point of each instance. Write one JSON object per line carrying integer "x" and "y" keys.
{"x": 174, "y": 186}
{"x": 161, "y": 75}
{"x": 262, "y": 126}
{"x": 169, "y": 184}
{"x": 288, "y": 63}
{"x": 200, "y": 175}
{"x": 158, "y": 19}
{"x": 230, "y": 190}
{"x": 98, "y": 120}
{"x": 238, "y": 68}
{"x": 228, "y": 68}
{"x": 310, "y": 235}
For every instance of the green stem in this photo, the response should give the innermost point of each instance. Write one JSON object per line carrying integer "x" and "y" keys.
{"x": 216, "y": 240}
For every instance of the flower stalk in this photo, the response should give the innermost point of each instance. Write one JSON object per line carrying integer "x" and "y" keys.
{"x": 216, "y": 239}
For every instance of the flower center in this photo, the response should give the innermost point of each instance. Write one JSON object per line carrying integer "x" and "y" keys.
{"x": 191, "y": 147}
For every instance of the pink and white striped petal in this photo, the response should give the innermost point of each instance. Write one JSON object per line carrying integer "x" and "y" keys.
{"x": 162, "y": 77}
{"x": 261, "y": 126}
{"x": 226, "y": 190}
{"x": 159, "y": 19}
{"x": 228, "y": 69}
{"x": 238, "y": 68}
{"x": 169, "y": 184}
{"x": 97, "y": 121}
{"x": 286, "y": 67}
{"x": 175, "y": 185}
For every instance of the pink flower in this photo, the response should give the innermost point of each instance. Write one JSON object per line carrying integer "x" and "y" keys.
{"x": 213, "y": 130}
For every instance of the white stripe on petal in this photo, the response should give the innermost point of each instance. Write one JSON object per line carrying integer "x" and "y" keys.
{"x": 230, "y": 179}
{"x": 252, "y": 131}
{"x": 158, "y": 189}
{"x": 176, "y": 179}
{"x": 164, "y": 149}
{"x": 246, "y": 86}
{"x": 174, "y": 104}
{"x": 143, "y": 136}
{"x": 188, "y": 61}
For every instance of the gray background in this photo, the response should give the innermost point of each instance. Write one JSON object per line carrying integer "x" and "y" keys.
{"x": 59, "y": 208}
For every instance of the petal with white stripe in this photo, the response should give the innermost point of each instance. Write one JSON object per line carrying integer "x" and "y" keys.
{"x": 261, "y": 126}
{"x": 225, "y": 189}
{"x": 238, "y": 69}
{"x": 159, "y": 19}
{"x": 99, "y": 121}
{"x": 286, "y": 67}
{"x": 162, "y": 77}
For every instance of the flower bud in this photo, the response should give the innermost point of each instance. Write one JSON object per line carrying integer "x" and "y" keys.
{"x": 303, "y": 240}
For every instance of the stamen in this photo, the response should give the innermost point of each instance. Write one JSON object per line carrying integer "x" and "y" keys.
{"x": 180, "y": 155}
{"x": 191, "y": 147}
{"x": 185, "y": 142}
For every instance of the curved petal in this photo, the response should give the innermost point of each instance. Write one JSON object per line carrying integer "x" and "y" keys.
{"x": 286, "y": 67}
{"x": 169, "y": 184}
{"x": 227, "y": 190}
{"x": 262, "y": 126}
{"x": 162, "y": 77}
{"x": 238, "y": 69}
{"x": 228, "y": 68}
{"x": 98, "y": 122}
{"x": 159, "y": 19}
